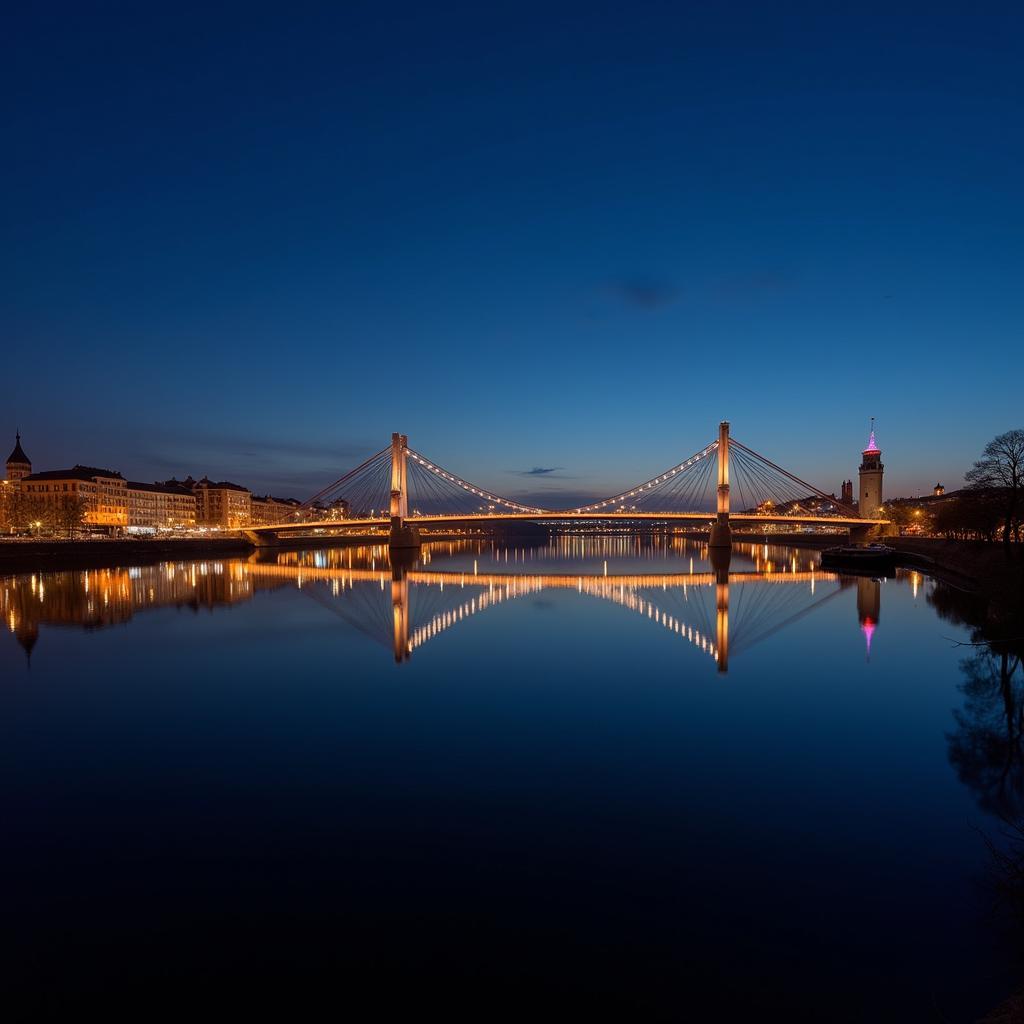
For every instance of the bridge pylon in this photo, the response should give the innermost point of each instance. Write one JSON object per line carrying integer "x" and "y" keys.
{"x": 402, "y": 535}
{"x": 721, "y": 533}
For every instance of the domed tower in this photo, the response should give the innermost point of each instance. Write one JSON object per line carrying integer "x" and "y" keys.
{"x": 870, "y": 498}
{"x": 18, "y": 464}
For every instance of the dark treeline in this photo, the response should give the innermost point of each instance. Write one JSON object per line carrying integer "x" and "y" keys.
{"x": 977, "y": 514}
{"x": 996, "y": 481}
{"x": 990, "y": 508}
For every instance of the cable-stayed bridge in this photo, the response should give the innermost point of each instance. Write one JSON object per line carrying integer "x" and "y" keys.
{"x": 723, "y": 482}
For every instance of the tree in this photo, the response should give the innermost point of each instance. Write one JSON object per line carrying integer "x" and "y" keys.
{"x": 971, "y": 515}
{"x": 18, "y": 510}
{"x": 67, "y": 514}
{"x": 907, "y": 515}
{"x": 1001, "y": 467}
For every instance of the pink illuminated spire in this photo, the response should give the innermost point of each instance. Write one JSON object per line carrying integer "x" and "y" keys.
{"x": 872, "y": 448}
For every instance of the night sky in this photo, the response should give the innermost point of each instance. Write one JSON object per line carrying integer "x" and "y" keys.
{"x": 553, "y": 244}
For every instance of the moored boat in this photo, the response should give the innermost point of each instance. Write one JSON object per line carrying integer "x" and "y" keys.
{"x": 860, "y": 556}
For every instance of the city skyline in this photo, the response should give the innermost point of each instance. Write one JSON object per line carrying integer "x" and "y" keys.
{"x": 419, "y": 221}
{"x": 567, "y": 490}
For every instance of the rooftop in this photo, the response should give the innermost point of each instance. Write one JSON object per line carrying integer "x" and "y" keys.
{"x": 280, "y": 501}
{"x": 75, "y": 473}
{"x": 225, "y": 485}
{"x": 168, "y": 488}
{"x": 18, "y": 455}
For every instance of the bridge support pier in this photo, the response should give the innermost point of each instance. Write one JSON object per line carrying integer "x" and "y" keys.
{"x": 873, "y": 532}
{"x": 262, "y": 538}
{"x": 402, "y": 535}
{"x": 721, "y": 532}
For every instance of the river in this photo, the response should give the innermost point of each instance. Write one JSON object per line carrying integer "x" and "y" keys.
{"x": 598, "y": 774}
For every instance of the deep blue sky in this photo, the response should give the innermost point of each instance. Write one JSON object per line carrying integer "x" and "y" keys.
{"x": 252, "y": 242}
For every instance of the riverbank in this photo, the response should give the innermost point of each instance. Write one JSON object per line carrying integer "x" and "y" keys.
{"x": 985, "y": 568}
{"x": 55, "y": 555}
{"x": 971, "y": 565}
{"x": 816, "y": 541}
{"x": 18, "y": 556}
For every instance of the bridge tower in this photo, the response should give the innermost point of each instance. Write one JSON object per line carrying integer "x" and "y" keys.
{"x": 869, "y": 501}
{"x": 721, "y": 534}
{"x": 402, "y": 535}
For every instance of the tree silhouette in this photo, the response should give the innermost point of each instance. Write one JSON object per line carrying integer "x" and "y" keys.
{"x": 1001, "y": 467}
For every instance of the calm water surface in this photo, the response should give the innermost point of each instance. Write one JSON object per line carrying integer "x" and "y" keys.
{"x": 596, "y": 774}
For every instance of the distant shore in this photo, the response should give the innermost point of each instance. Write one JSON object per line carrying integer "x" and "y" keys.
{"x": 972, "y": 565}
{"x": 20, "y": 556}
{"x": 54, "y": 555}
{"x": 968, "y": 564}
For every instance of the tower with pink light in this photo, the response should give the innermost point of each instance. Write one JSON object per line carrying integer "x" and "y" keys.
{"x": 869, "y": 500}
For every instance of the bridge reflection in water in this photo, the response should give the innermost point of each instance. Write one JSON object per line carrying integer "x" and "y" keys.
{"x": 406, "y": 605}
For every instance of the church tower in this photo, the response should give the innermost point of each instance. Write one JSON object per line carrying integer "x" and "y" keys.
{"x": 18, "y": 465}
{"x": 870, "y": 498}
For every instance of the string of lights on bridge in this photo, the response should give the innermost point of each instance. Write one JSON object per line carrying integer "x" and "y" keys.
{"x": 470, "y": 488}
{"x": 653, "y": 482}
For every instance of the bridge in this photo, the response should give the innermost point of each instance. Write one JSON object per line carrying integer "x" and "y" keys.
{"x": 400, "y": 490}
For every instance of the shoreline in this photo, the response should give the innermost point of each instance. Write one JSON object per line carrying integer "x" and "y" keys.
{"x": 968, "y": 565}
{"x": 57, "y": 555}
{"x": 23, "y": 556}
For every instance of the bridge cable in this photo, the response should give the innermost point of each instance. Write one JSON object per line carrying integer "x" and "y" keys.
{"x": 802, "y": 483}
{"x": 337, "y": 483}
{"x": 635, "y": 491}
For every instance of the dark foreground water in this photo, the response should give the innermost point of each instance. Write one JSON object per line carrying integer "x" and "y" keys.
{"x": 587, "y": 779}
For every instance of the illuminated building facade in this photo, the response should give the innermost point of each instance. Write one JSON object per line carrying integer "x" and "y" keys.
{"x": 104, "y": 492}
{"x": 337, "y": 509}
{"x": 160, "y": 507}
{"x": 268, "y": 510}
{"x": 224, "y": 504}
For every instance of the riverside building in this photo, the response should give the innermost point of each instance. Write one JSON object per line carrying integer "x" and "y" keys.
{"x": 153, "y": 507}
{"x": 104, "y": 493}
{"x": 270, "y": 511}
{"x": 221, "y": 504}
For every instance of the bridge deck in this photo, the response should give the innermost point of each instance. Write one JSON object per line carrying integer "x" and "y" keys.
{"x": 699, "y": 517}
